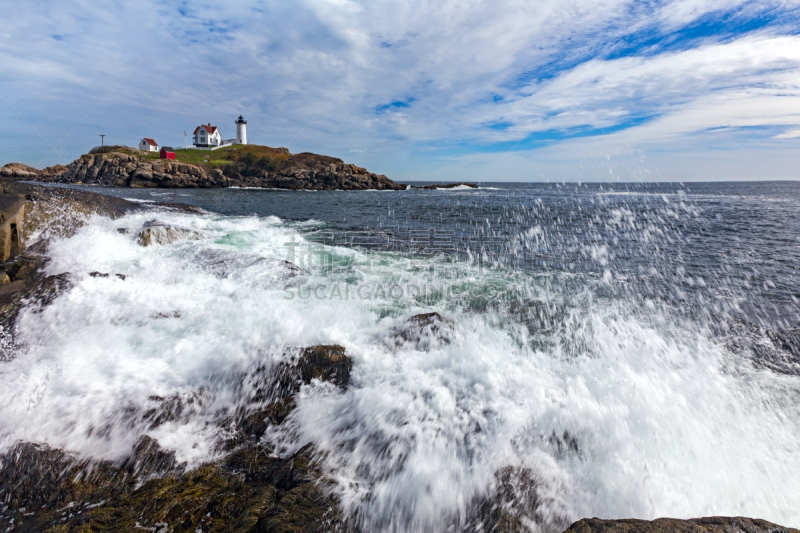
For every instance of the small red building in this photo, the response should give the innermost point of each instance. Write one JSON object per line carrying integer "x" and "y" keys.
{"x": 167, "y": 153}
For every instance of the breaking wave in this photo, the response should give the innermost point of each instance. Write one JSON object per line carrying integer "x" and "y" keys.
{"x": 536, "y": 382}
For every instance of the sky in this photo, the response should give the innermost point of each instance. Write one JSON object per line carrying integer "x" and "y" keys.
{"x": 466, "y": 90}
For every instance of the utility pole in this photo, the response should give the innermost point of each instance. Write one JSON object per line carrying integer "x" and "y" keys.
{"x": 102, "y": 141}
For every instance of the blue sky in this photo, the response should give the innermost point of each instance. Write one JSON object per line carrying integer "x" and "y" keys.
{"x": 507, "y": 90}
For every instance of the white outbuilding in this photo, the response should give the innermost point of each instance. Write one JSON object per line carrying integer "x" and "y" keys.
{"x": 148, "y": 145}
{"x": 206, "y": 136}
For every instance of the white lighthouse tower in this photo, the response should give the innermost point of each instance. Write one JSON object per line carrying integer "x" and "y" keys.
{"x": 241, "y": 131}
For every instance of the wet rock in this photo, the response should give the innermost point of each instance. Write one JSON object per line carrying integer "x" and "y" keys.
{"x": 250, "y": 491}
{"x": 423, "y": 332}
{"x": 23, "y": 267}
{"x": 57, "y": 212}
{"x": 155, "y": 232}
{"x": 49, "y": 288}
{"x": 511, "y": 506}
{"x": 255, "y": 424}
{"x": 149, "y": 459}
{"x": 175, "y": 408}
{"x": 263, "y": 272}
{"x": 325, "y": 363}
{"x": 97, "y": 274}
{"x": 779, "y": 351}
{"x": 41, "y": 486}
{"x": 716, "y": 524}
{"x": 303, "y": 499}
{"x": 35, "y": 290}
{"x": 270, "y": 391}
{"x": 446, "y": 186}
{"x": 564, "y": 443}
{"x": 166, "y": 314}
{"x": 52, "y": 212}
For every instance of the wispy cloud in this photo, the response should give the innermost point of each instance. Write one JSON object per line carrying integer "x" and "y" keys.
{"x": 552, "y": 89}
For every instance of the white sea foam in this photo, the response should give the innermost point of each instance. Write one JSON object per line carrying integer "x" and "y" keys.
{"x": 140, "y": 200}
{"x": 665, "y": 422}
{"x": 457, "y": 188}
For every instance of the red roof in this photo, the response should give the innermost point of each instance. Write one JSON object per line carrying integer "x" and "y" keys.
{"x": 209, "y": 129}
{"x": 151, "y": 142}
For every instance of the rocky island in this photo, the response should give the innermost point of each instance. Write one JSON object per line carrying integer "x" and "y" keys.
{"x": 231, "y": 166}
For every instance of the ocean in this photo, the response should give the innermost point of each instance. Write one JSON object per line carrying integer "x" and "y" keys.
{"x": 633, "y": 348}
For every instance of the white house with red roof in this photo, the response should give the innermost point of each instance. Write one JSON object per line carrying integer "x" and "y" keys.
{"x": 206, "y": 136}
{"x": 148, "y": 145}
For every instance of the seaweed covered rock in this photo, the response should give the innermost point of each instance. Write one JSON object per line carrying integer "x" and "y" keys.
{"x": 40, "y": 486}
{"x": 48, "y": 490}
{"x": 716, "y": 524}
{"x": 326, "y": 363}
{"x": 513, "y": 505}
{"x": 149, "y": 458}
{"x": 271, "y": 391}
{"x": 248, "y": 490}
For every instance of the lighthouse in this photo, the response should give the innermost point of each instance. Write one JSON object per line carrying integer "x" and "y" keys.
{"x": 241, "y": 130}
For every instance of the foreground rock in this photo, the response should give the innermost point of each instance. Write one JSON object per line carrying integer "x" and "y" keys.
{"x": 44, "y": 489}
{"x": 281, "y": 171}
{"x": 422, "y": 332}
{"x": 272, "y": 391}
{"x": 48, "y": 490}
{"x": 716, "y": 524}
{"x": 49, "y": 212}
{"x": 155, "y": 232}
{"x": 514, "y": 505}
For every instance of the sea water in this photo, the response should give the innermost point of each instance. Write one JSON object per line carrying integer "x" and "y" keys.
{"x": 617, "y": 342}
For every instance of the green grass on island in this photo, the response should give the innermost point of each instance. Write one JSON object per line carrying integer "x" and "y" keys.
{"x": 248, "y": 154}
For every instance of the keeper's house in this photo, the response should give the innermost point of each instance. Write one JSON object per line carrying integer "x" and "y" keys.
{"x": 206, "y": 136}
{"x": 148, "y": 145}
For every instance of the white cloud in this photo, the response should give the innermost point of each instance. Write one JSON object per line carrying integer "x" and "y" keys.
{"x": 314, "y": 74}
{"x": 791, "y": 134}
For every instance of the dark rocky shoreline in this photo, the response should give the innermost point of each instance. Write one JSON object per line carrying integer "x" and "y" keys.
{"x": 714, "y": 524}
{"x": 250, "y": 488}
{"x": 445, "y": 186}
{"x": 128, "y": 169}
